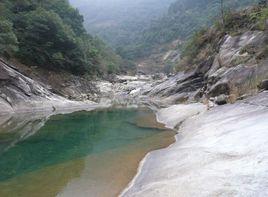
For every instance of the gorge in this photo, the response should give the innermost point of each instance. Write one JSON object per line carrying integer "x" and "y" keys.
{"x": 110, "y": 130}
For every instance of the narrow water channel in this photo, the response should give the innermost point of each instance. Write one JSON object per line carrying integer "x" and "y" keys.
{"x": 80, "y": 154}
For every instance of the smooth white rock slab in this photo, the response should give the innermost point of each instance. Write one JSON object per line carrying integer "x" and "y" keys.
{"x": 222, "y": 152}
{"x": 176, "y": 114}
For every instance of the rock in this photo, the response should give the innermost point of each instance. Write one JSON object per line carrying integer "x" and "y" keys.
{"x": 205, "y": 66}
{"x": 232, "y": 71}
{"x": 19, "y": 93}
{"x": 4, "y": 74}
{"x": 230, "y": 51}
{"x": 219, "y": 89}
{"x": 221, "y": 100}
{"x": 215, "y": 66}
{"x": 263, "y": 85}
{"x": 135, "y": 92}
{"x": 22, "y": 84}
{"x": 127, "y": 78}
{"x": 221, "y": 152}
{"x": 176, "y": 114}
{"x": 158, "y": 76}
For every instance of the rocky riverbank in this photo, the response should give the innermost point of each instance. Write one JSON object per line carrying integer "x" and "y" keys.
{"x": 232, "y": 74}
{"x": 20, "y": 94}
{"x": 222, "y": 151}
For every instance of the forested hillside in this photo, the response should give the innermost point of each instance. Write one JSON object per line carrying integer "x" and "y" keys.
{"x": 183, "y": 18}
{"x": 120, "y": 22}
{"x": 50, "y": 34}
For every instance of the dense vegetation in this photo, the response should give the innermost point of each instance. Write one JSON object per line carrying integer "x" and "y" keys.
{"x": 50, "y": 34}
{"x": 205, "y": 43}
{"x": 184, "y": 18}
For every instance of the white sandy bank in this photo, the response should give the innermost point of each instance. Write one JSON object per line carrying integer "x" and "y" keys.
{"x": 222, "y": 152}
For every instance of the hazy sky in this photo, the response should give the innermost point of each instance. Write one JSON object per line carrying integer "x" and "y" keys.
{"x": 114, "y": 2}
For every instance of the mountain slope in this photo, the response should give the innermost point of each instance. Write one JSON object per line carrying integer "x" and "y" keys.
{"x": 187, "y": 16}
{"x": 120, "y": 22}
{"x": 184, "y": 17}
{"x": 50, "y": 34}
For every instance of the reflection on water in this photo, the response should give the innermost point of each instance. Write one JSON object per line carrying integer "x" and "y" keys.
{"x": 80, "y": 154}
{"x": 17, "y": 128}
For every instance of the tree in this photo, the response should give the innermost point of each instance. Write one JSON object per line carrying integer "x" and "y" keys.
{"x": 43, "y": 36}
{"x": 8, "y": 40}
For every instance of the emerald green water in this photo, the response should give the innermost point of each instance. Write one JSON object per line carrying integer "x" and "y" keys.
{"x": 76, "y": 154}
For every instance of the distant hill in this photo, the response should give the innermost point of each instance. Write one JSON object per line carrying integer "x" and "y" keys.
{"x": 120, "y": 22}
{"x": 187, "y": 16}
{"x": 184, "y": 17}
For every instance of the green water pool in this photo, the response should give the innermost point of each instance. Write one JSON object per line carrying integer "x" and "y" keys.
{"x": 80, "y": 154}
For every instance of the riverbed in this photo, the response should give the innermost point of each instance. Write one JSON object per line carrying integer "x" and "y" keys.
{"x": 93, "y": 153}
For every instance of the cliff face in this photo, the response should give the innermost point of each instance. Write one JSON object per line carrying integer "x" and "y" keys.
{"x": 223, "y": 63}
{"x": 235, "y": 71}
{"x": 16, "y": 88}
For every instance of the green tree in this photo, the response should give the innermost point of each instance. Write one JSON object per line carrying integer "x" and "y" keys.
{"x": 8, "y": 40}
{"x": 42, "y": 37}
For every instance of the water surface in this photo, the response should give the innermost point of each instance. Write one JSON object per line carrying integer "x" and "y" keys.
{"x": 80, "y": 154}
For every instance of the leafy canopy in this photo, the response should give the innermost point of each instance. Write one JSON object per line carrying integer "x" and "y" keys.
{"x": 50, "y": 34}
